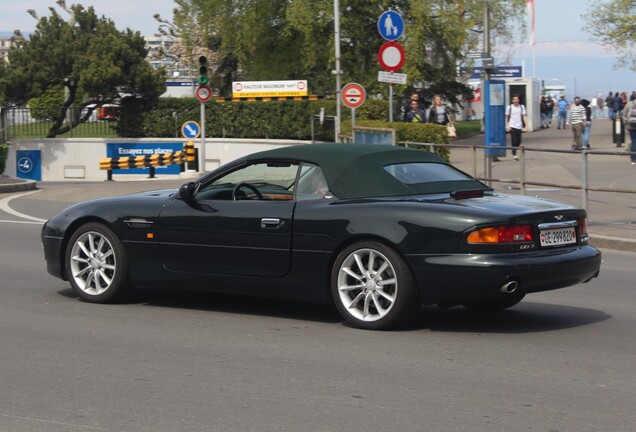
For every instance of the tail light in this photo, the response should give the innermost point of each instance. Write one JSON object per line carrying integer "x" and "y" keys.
{"x": 583, "y": 230}
{"x": 502, "y": 234}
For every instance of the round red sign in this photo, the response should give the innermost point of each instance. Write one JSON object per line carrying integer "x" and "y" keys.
{"x": 353, "y": 95}
{"x": 391, "y": 56}
{"x": 203, "y": 93}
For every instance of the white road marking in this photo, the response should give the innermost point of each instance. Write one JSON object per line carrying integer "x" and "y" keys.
{"x": 20, "y": 222}
{"x": 4, "y": 206}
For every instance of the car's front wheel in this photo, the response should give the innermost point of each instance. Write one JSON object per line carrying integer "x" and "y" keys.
{"x": 96, "y": 264}
{"x": 372, "y": 287}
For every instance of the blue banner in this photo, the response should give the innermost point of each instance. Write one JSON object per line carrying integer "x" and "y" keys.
{"x": 497, "y": 72}
{"x": 117, "y": 150}
{"x": 497, "y": 111}
{"x": 28, "y": 164}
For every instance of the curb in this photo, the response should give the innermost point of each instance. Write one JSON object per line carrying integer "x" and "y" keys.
{"x": 615, "y": 243}
{"x": 19, "y": 186}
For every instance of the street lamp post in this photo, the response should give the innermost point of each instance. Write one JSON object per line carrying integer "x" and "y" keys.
{"x": 337, "y": 72}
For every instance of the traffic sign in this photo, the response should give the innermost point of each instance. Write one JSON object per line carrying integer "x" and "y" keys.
{"x": 353, "y": 95}
{"x": 203, "y": 93}
{"x": 391, "y": 56}
{"x": 475, "y": 55}
{"x": 391, "y": 78}
{"x": 391, "y": 25}
{"x": 191, "y": 130}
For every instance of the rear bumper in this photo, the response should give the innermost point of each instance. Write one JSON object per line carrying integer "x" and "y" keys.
{"x": 462, "y": 277}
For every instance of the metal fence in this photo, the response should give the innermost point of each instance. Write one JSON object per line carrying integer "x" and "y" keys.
{"x": 37, "y": 122}
{"x": 584, "y": 183}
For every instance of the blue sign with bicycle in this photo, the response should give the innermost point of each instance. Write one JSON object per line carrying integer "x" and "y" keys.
{"x": 391, "y": 25}
{"x": 29, "y": 164}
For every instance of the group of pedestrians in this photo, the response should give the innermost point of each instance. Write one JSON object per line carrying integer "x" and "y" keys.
{"x": 438, "y": 113}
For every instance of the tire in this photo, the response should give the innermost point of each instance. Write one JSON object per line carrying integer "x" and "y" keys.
{"x": 96, "y": 264}
{"x": 494, "y": 305}
{"x": 372, "y": 287}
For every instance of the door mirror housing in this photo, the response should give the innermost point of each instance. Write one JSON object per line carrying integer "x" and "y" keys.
{"x": 186, "y": 192}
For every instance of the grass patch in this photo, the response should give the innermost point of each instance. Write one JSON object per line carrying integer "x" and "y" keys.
{"x": 85, "y": 130}
{"x": 468, "y": 128}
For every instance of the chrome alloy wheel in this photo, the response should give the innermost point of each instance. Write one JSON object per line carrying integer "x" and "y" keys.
{"x": 92, "y": 263}
{"x": 367, "y": 285}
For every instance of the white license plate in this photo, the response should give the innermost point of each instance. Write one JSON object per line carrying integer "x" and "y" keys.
{"x": 557, "y": 237}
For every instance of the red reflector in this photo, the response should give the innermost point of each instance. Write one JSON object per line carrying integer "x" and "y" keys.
{"x": 518, "y": 233}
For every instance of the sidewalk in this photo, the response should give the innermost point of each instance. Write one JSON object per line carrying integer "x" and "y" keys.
{"x": 611, "y": 216}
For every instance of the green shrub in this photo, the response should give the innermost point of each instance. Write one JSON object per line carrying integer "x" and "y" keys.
{"x": 4, "y": 152}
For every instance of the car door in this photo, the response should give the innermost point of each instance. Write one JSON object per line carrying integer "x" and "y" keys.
{"x": 237, "y": 224}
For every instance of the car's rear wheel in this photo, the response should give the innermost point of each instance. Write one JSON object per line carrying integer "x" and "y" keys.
{"x": 494, "y": 304}
{"x": 372, "y": 287}
{"x": 96, "y": 264}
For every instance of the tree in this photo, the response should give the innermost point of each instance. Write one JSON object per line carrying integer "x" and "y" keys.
{"x": 281, "y": 39}
{"x": 87, "y": 57}
{"x": 613, "y": 24}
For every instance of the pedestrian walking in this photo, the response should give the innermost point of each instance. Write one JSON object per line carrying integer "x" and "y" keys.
{"x": 588, "y": 123}
{"x": 415, "y": 96}
{"x": 629, "y": 120}
{"x": 438, "y": 113}
{"x": 416, "y": 114}
{"x": 576, "y": 120}
{"x": 562, "y": 104}
{"x": 543, "y": 109}
{"x": 516, "y": 121}
{"x": 609, "y": 102}
{"x": 550, "y": 103}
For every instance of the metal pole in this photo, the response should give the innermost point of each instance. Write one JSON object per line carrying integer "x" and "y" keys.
{"x": 390, "y": 103}
{"x": 353, "y": 124}
{"x": 202, "y": 151}
{"x": 487, "y": 93}
{"x": 585, "y": 180}
{"x": 523, "y": 170}
{"x": 338, "y": 72}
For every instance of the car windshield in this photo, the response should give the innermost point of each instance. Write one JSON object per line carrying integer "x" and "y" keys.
{"x": 430, "y": 177}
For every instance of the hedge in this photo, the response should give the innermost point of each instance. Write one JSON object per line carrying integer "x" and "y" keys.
{"x": 271, "y": 120}
{"x": 4, "y": 152}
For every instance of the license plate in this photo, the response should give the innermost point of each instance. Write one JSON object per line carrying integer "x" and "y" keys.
{"x": 556, "y": 237}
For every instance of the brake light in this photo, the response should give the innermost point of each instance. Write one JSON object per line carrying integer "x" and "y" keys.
{"x": 583, "y": 230}
{"x": 502, "y": 234}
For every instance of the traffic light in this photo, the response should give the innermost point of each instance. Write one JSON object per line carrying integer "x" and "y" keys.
{"x": 203, "y": 70}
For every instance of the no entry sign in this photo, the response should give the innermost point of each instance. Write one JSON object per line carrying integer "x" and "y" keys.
{"x": 353, "y": 95}
{"x": 391, "y": 56}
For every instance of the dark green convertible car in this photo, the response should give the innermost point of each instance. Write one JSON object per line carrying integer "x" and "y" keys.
{"x": 377, "y": 230}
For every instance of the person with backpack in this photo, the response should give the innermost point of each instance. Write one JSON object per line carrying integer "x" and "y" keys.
{"x": 516, "y": 121}
{"x": 629, "y": 120}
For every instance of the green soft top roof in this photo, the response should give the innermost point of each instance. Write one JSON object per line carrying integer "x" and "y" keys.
{"x": 355, "y": 170}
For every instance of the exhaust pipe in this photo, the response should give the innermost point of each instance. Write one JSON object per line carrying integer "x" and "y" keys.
{"x": 509, "y": 287}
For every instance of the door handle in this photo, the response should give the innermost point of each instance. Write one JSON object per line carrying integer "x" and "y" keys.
{"x": 271, "y": 223}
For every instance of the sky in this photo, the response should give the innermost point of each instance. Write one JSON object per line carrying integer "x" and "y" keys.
{"x": 563, "y": 51}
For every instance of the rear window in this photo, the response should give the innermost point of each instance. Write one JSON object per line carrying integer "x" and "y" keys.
{"x": 431, "y": 177}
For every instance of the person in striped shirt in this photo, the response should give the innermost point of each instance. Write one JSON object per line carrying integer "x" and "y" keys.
{"x": 576, "y": 120}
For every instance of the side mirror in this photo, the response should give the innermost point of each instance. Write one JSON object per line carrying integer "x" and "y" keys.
{"x": 186, "y": 192}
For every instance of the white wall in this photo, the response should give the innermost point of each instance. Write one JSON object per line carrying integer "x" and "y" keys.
{"x": 77, "y": 159}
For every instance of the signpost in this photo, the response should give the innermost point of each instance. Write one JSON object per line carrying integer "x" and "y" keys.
{"x": 391, "y": 53}
{"x": 353, "y": 96}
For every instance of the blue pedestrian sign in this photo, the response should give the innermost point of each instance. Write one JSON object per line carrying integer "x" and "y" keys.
{"x": 391, "y": 25}
{"x": 191, "y": 130}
